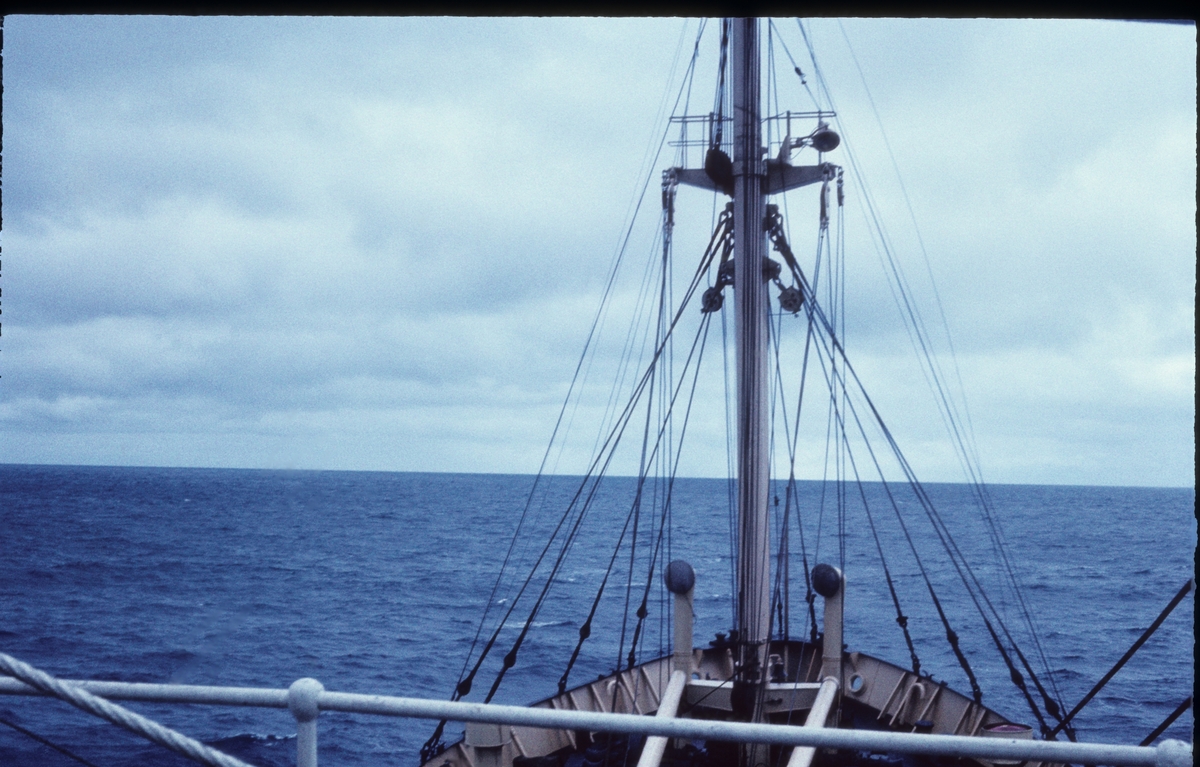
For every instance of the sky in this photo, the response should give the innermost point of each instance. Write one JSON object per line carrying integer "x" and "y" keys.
{"x": 378, "y": 244}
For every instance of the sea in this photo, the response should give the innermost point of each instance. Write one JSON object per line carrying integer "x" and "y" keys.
{"x": 378, "y": 582}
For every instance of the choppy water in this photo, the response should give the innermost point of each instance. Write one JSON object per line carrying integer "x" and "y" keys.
{"x": 375, "y": 582}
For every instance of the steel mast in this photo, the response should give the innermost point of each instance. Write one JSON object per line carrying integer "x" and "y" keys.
{"x": 749, "y": 177}
{"x": 751, "y": 305}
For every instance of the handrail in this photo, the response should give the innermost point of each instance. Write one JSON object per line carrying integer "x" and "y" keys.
{"x": 122, "y": 717}
{"x": 1169, "y": 753}
{"x": 256, "y": 697}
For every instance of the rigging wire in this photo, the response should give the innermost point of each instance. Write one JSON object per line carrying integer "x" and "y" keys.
{"x": 796, "y": 69}
{"x": 637, "y": 507}
{"x": 585, "y": 630}
{"x": 701, "y": 336}
{"x": 791, "y": 437}
{"x": 1137, "y": 644}
{"x": 600, "y": 465}
{"x": 951, "y": 635}
{"x": 1170, "y": 720}
{"x": 838, "y": 286}
{"x": 716, "y": 126}
{"x": 964, "y": 440}
{"x": 51, "y": 744}
{"x": 901, "y": 619}
{"x": 821, "y": 239}
{"x": 591, "y": 336}
{"x": 656, "y": 383}
{"x": 965, "y": 572}
{"x": 783, "y": 578}
{"x": 463, "y": 684}
{"x": 967, "y": 456}
{"x": 920, "y": 338}
{"x": 837, "y": 295}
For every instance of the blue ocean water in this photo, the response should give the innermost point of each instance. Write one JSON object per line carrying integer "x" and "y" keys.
{"x": 375, "y": 582}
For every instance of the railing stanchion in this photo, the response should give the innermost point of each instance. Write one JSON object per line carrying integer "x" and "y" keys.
{"x": 302, "y": 702}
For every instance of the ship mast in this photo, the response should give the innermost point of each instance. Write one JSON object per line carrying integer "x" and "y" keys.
{"x": 751, "y": 304}
{"x": 749, "y": 177}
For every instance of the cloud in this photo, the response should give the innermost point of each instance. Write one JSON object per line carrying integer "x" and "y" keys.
{"x": 379, "y": 243}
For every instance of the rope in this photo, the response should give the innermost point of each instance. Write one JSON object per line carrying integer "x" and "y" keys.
{"x": 1183, "y": 592}
{"x": 585, "y": 630}
{"x": 952, "y": 638}
{"x": 1048, "y": 702}
{"x": 796, "y": 69}
{"x": 775, "y": 233}
{"x": 433, "y": 744}
{"x": 943, "y": 533}
{"x": 793, "y": 439}
{"x": 701, "y": 337}
{"x": 1170, "y": 720}
{"x": 834, "y": 378}
{"x": 951, "y": 635}
{"x": 901, "y": 618}
{"x": 596, "y": 472}
{"x": 961, "y": 434}
{"x": 463, "y": 686}
{"x": 646, "y": 460}
{"x": 1018, "y": 680}
{"x": 118, "y": 715}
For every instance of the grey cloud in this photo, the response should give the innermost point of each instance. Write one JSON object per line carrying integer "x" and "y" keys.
{"x": 280, "y": 232}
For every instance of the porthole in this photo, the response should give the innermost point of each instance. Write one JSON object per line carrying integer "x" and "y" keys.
{"x": 856, "y": 684}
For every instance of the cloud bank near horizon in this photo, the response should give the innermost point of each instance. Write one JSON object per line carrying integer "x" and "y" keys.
{"x": 379, "y": 243}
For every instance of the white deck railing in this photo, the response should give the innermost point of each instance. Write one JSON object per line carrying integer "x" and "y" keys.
{"x": 306, "y": 698}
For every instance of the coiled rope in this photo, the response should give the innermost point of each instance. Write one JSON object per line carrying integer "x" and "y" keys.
{"x": 118, "y": 715}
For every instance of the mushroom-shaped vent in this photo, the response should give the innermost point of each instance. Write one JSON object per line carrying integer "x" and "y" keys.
{"x": 680, "y": 577}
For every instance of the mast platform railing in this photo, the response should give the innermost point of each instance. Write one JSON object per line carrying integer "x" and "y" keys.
{"x": 306, "y": 698}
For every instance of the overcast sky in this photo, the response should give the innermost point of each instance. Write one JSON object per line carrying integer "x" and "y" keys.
{"x": 378, "y": 243}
